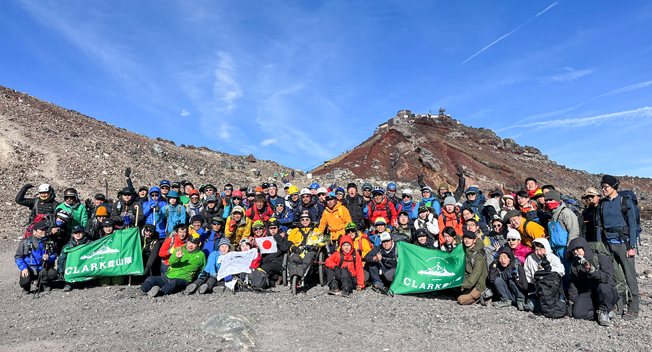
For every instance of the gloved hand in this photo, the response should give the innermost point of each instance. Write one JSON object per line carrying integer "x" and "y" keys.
{"x": 28, "y": 186}
{"x": 460, "y": 170}
{"x": 309, "y": 248}
{"x": 147, "y": 272}
{"x": 232, "y": 225}
{"x": 296, "y": 250}
{"x": 420, "y": 177}
{"x": 359, "y": 288}
{"x": 126, "y": 220}
{"x": 228, "y": 278}
{"x": 128, "y": 172}
{"x": 545, "y": 264}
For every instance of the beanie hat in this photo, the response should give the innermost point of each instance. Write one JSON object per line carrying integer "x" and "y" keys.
{"x": 196, "y": 218}
{"x": 443, "y": 185}
{"x": 237, "y": 194}
{"x": 101, "y": 211}
{"x": 41, "y": 225}
{"x": 351, "y": 185}
{"x": 610, "y": 180}
{"x": 470, "y": 235}
{"x": 553, "y": 195}
{"x": 513, "y": 234}
{"x": 421, "y": 233}
{"x": 257, "y": 224}
{"x": 100, "y": 196}
{"x": 449, "y": 201}
{"x": 380, "y": 221}
{"x": 422, "y": 209}
{"x": 224, "y": 241}
{"x": 245, "y": 240}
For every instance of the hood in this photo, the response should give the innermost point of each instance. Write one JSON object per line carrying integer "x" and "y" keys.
{"x": 508, "y": 251}
{"x": 545, "y": 244}
{"x": 346, "y": 239}
{"x": 152, "y": 228}
{"x": 154, "y": 189}
{"x": 494, "y": 203}
{"x": 581, "y": 242}
{"x": 408, "y": 204}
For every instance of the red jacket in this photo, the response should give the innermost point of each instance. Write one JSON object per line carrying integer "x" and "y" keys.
{"x": 254, "y": 214}
{"x": 348, "y": 263}
{"x": 166, "y": 250}
{"x": 453, "y": 220}
{"x": 385, "y": 209}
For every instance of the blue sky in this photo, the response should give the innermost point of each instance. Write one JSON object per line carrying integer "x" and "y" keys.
{"x": 300, "y": 81}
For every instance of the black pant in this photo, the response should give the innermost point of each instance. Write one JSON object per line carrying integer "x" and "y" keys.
{"x": 299, "y": 266}
{"x": 168, "y": 286}
{"x": 603, "y": 298}
{"x": 48, "y": 275}
{"x": 340, "y": 277}
{"x": 273, "y": 269}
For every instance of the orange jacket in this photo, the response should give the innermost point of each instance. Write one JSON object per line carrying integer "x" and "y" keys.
{"x": 336, "y": 219}
{"x": 531, "y": 233}
{"x": 348, "y": 261}
{"x": 453, "y": 220}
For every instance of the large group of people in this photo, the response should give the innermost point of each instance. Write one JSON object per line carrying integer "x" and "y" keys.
{"x": 514, "y": 244}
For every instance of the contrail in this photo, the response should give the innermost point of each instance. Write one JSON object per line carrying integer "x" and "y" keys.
{"x": 510, "y": 33}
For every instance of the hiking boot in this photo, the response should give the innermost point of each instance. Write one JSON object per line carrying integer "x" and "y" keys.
{"x": 26, "y": 292}
{"x": 154, "y": 291}
{"x": 630, "y": 316}
{"x": 378, "y": 288}
{"x": 191, "y": 289}
{"x": 520, "y": 304}
{"x": 501, "y": 304}
{"x": 346, "y": 292}
{"x": 47, "y": 289}
{"x": 612, "y": 315}
{"x": 332, "y": 291}
{"x": 67, "y": 288}
{"x": 603, "y": 318}
{"x": 203, "y": 288}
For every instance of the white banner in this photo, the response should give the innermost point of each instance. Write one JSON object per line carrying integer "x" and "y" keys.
{"x": 234, "y": 263}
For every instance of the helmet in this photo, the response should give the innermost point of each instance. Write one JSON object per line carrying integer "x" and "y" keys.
{"x": 315, "y": 185}
{"x": 258, "y": 224}
{"x": 70, "y": 192}
{"x": 322, "y": 190}
{"x": 64, "y": 215}
{"x": 407, "y": 191}
{"x": 378, "y": 189}
{"x": 366, "y": 186}
{"x": 304, "y": 191}
{"x": 44, "y": 188}
{"x": 293, "y": 190}
{"x": 287, "y": 185}
{"x": 350, "y": 226}
{"x": 391, "y": 186}
{"x": 340, "y": 189}
{"x": 274, "y": 222}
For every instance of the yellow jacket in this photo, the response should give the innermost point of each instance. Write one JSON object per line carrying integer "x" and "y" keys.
{"x": 314, "y": 237}
{"x": 336, "y": 219}
{"x": 531, "y": 233}
{"x": 241, "y": 230}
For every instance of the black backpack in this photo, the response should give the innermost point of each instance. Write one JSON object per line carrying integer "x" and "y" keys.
{"x": 259, "y": 279}
{"x": 550, "y": 292}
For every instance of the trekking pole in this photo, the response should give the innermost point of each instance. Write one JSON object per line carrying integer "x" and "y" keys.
{"x": 137, "y": 209}
{"x": 327, "y": 285}
{"x": 39, "y": 282}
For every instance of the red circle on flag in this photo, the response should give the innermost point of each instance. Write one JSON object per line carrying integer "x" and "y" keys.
{"x": 267, "y": 244}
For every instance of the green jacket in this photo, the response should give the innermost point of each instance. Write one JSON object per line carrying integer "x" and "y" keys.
{"x": 188, "y": 266}
{"x": 475, "y": 276}
{"x": 78, "y": 215}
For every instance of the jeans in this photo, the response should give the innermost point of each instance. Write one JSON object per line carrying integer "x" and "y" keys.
{"x": 508, "y": 291}
{"x": 168, "y": 286}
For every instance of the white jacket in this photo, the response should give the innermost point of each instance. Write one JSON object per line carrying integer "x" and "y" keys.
{"x": 431, "y": 224}
{"x": 533, "y": 263}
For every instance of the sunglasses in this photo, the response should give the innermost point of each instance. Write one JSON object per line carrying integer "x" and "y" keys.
{"x": 470, "y": 194}
{"x": 69, "y": 197}
{"x": 391, "y": 191}
{"x": 195, "y": 197}
{"x": 512, "y": 240}
{"x": 305, "y": 196}
{"x": 272, "y": 227}
{"x": 351, "y": 231}
{"x": 217, "y": 223}
{"x": 497, "y": 226}
{"x": 406, "y": 196}
{"x": 238, "y": 198}
{"x": 228, "y": 189}
{"x": 259, "y": 229}
{"x": 148, "y": 230}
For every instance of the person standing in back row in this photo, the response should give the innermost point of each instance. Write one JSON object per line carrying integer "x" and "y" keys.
{"x": 617, "y": 219}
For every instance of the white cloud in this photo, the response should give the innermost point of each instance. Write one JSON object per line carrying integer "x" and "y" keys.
{"x": 569, "y": 75}
{"x": 510, "y": 33}
{"x": 184, "y": 113}
{"x": 225, "y": 86}
{"x": 644, "y": 112}
{"x": 268, "y": 142}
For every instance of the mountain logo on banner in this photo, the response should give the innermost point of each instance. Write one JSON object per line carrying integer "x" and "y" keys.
{"x": 436, "y": 270}
{"x": 104, "y": 250}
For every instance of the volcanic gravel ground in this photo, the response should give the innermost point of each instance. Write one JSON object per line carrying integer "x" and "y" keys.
{"x": 122, "y": 318}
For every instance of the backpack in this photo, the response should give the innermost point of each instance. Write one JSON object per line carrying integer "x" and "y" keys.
{"x": 488, "y": 253}
{"x": 550, "y": 292}
{"x": 342, "y": 260}
{"x": 37, "y": 218}
{"x": 259, "y": 279}
{"x": 624, "y": 195}
{"x": 372, "y": 210}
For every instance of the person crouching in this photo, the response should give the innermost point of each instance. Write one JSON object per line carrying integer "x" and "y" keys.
{"x": 344, "y": 269}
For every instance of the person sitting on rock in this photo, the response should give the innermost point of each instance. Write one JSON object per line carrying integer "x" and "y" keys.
{"x": 361, "y": 243}
{"x": 344, "y": 269}
{"x": 78, "y": 238}
{"x": 592, "y": 284}
{"x": 185, "y": 265}
{"x": 451, "y": 239}
{"x": 383, "y": 257}
{"x": 507, "y": 278}
{"x": 178, "y": 239}
{"x": 422, "y": 240}
{"x": 543, "y": 258}
{"x": 45, "y": 203}
{"x": 174, "y": 213}
{"x": 529, "y": 230}
{"x": 519, "y": 251}
{"x": 475, "y": 270}
{"x": 208, "y": 278}
{"x": 151, "y": 247}
{"x": 429, "y": 222}
{"x": 35, "y": 259}
{"x": 450, "y": 217}
{"x": 238, "y": 226}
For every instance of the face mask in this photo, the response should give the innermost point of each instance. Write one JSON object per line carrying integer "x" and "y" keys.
{"x": 59, "y": 223}
{"x": 552, "y": 205}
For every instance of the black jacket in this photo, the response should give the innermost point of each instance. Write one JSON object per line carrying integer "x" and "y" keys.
{"x": 37, "y": 205}
{"x": 389, "y": 256}
{"x": 355, "y": 206}
{"x": 580, "y": 280}
{"x": 513, "y": 271}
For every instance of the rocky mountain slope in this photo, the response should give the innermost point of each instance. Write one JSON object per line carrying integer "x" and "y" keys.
{"x": 41, "y": 142}
{"x": 434, "y": 144}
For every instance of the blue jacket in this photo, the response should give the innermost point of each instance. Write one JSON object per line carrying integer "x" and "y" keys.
{"x": 410, "y": 207}
{"x": 173, "y": 215}
{"x": 286, "y": 218}
{"x": 210, "y": 240}
{"x": 476, "y": 206}
{"x": 612, "y": 216}
{"x": 272, "y": 203}
{"x": 428, "y": 202}
{"x": 31, "y": 250}
{"x": 212, "y": 266}
{"x": 152, "y": 214}
{"x": 315, "y": 210}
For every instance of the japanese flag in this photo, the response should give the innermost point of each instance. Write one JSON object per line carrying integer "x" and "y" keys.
{"x": 266, "y": 244}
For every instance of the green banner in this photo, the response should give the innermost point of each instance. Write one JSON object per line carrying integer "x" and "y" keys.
{"x": 115, "y": 255}
{"x": 422, "y": 270}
